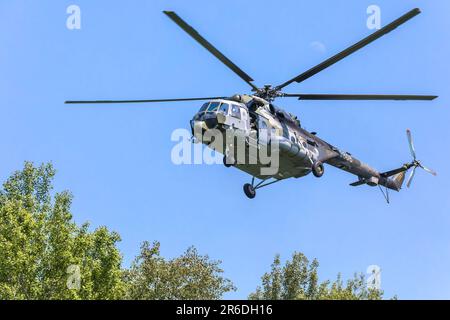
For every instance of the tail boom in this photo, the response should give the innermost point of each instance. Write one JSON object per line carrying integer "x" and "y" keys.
{"x": 393, "y": 179}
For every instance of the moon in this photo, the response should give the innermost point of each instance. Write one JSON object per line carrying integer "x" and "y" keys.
{"x": 318, "y": 46}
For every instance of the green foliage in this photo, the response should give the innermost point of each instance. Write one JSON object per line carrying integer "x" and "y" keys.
{"x": 298, "y": 280}
{"x": 190, "y": 276}
{"x": 39, "y": 242}
{"x": 42, "y": 250}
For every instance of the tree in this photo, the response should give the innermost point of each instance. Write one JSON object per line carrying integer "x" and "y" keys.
{"x": 44, "y": 254}
{"x": 190, "y": 276}
{"x": 298, "y": 280}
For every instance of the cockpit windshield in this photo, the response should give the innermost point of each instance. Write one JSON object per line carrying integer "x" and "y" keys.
{"x": 204, "y": 107}
{"x": 213, "y": 107}
{"x": 210, "y": 107}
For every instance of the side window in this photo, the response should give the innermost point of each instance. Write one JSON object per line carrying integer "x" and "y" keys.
{"x": 224, "y": 108}
{"x": 263, "y": 132}
{"x": 236, "y": 111}
{"x": 262, "y": 123}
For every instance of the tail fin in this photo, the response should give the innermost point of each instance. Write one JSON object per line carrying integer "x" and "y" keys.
{"x": 398, "y": 179}
{"x": 394, "y": 179}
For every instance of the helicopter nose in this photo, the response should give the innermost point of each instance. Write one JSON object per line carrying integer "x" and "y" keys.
{"x": 210, "y": 120}
{"x": 211, "y": 123}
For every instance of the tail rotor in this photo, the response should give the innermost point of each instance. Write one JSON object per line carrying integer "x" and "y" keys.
{"x": 415, "y": 163}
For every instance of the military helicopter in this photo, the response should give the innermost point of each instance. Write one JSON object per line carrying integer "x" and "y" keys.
{"x": 257, "y": 122}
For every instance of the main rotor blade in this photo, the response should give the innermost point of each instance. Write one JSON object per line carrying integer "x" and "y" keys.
{"x": 411, "y": 177}
{"x": 138, "y": 101}
{"x": 411, "y": 144}
{"x": 208, "y": 46}
{"x": 359, "y": 97}
{"x": 338, "y": 57}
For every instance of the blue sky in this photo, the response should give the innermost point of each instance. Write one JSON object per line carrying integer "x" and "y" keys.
{"x": 116, "y": 159}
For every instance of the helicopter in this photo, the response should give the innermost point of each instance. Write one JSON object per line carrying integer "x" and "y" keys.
{"x": 255, "y": 123}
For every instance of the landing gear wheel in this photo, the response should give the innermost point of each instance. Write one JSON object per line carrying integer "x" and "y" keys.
{"x": 228, "y": 162}
{"x": 249, "y": 191}
{"x": 318, "y": 169}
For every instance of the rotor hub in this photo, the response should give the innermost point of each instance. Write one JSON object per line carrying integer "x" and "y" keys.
{"x": 269, "y": 93}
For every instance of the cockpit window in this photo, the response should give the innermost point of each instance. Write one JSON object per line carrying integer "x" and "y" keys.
{"x": 224, "y": 108}
{"x": 204, "y": 107}
{"x": 214, "y": 106}
{"x": 262, "y": 123}
{"x": 235, "y": 111}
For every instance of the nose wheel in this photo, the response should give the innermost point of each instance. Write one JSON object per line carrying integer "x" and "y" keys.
{"x": 250, "y": 188}
{"x": 249, "y": 191}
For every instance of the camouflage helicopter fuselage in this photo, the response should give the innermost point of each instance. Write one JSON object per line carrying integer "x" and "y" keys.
{"x": 255, "y": 122}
